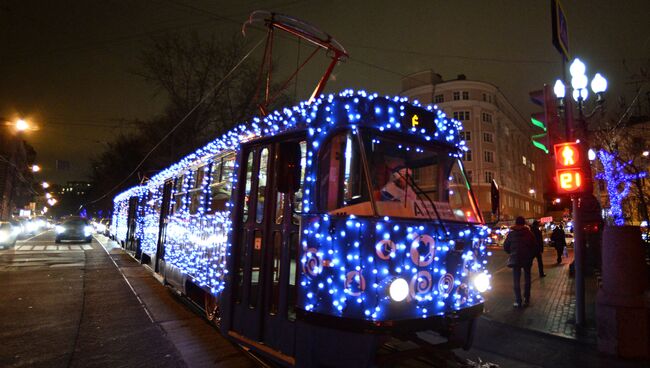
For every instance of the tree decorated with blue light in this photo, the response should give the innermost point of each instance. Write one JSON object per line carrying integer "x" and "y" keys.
{"x": 619, "y": 182}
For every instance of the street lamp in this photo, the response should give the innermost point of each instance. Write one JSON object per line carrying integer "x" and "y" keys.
{"x": 579, "y": 83}
{"x": 45, "y": 185}
{"x": 36, "y": 168}
{"x": 21, "y": 125}
{"x": 591, "y": 154}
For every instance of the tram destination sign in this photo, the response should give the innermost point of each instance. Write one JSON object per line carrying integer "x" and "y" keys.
{"x": 419, "y": 120}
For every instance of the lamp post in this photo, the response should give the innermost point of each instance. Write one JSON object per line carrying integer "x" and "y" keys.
{"x": 580, "y": 94}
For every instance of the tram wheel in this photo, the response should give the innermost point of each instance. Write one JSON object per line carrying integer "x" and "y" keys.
{"x": 212, "y": 310}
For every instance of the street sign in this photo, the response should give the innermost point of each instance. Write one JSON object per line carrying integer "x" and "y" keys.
{"x": 560, "y": 29}
{"x": 569, "y": 174}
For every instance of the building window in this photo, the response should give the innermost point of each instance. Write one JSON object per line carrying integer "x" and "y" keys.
{"x": 488, "y": 156}
{"x": 485, "y": 97}
{"x": 467, "y": 155}
{"x": 456, "y": 96}
{"x": 439, "y": 98}
{"x": 487, "y": 137}
{"x": 489, "y": 175}
{"x": 465, "y": 95}
{"x": 461, "y": 115}
{"x": 466, "y": 136}
{"x": 486, "y": 117}
{"x": 469, "y": 175}
{"x": 527, "y": 206}
{"x": 523, "y": 160}
{"x": 532, "y": 166}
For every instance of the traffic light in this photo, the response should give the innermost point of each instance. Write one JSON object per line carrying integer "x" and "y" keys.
{"x": 570, "y": 174}
{"x": 547, "y": 120}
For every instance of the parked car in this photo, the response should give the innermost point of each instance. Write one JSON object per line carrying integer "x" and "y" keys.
{"x": 74, "y": 229}
{"x": 8, "y": 234}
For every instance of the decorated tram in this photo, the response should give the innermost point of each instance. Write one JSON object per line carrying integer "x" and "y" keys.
{"x": 315, "y": 233}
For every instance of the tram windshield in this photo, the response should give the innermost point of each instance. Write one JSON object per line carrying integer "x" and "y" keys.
{"x": 406, "y": 180}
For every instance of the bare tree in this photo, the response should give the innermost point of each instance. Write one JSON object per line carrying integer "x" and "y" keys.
{"x": 210, "y": 86}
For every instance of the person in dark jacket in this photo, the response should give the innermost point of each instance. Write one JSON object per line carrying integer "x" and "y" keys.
{"x": 539, "y": 239}
{"x": 559, "y": 241}
{"x": 520, "y": 245}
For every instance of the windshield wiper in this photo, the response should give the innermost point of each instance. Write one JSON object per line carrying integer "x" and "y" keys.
{"x": 422, "y": 193}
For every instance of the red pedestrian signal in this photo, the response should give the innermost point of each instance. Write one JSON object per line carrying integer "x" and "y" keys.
{"x": 569, "y": 173}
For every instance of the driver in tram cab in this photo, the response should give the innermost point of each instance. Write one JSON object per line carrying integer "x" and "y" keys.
{"x": 397, "y": 188}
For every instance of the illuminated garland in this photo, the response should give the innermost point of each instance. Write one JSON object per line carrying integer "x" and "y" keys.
{"x": 615, "y": 176}
{"x": 347, "y": 264}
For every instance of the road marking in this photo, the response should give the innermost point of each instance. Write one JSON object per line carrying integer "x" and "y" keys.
{"x": 53, "y": 248}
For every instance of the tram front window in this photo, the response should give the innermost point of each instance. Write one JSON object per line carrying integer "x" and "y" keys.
{"x": 407, "y": 180}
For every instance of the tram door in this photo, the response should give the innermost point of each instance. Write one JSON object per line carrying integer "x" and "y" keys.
{"x": 131, "y": 224}
{"x": 265, "y": 292}
{"x": 162, "y": 225}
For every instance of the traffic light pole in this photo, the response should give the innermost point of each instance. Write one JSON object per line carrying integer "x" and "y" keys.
{"x": 578, "y": 223}
{"x": 578, "y": 261}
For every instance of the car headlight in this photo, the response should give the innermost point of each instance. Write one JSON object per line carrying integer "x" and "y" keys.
{"x": 4, "y": 235}
{"x": 32, "y": 226}
{"x": 59, "y": 229}
{"x": 88, "y": 230}
{"x": 482, "y": 282}
{"x": 398, "y": 289}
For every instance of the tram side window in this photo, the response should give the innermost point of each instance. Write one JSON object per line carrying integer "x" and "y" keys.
{"x": 179, "y": 194}
{"x": 261, "y": 184}
{"x": 220, "y": 184}
{"x": 249, "y": 178}
{"x": 197, "y": 190}
{"x": 342, "y": 182}
{"x": 157, "y": 204}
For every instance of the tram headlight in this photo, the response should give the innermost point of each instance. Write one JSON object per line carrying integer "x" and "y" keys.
{"x": 398, "y": 289}
{"x": 482, "y": 282}
{"x": 59, "y": 229}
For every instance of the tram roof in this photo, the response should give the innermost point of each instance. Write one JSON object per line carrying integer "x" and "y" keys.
{"x": 348, "y": 108}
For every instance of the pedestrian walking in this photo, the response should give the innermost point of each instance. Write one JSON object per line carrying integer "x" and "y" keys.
{"x": 559, "y": 241}
{"x": 539, "y": 239}
{"x": 520, "y": 245}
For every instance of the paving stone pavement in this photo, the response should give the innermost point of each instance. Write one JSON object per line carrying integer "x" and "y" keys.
{"x": 552, "y": 305}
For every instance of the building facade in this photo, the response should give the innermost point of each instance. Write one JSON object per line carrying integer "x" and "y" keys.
{"x": 16, "y": 178}
{"x": 498, "y": 138}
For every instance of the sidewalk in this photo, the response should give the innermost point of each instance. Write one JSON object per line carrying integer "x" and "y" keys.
{"x": 552, "y": 304}
{"x": 543, "y": 334}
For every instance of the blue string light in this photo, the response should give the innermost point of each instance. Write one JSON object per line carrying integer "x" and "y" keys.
{"x": 618, "y": 182}
{"x": 347, "y": 263}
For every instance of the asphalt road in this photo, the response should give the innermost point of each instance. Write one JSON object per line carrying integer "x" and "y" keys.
{"x": 58, "y": 309}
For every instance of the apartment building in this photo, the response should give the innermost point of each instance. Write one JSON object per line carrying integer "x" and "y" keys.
{"x": 497, "y": 136}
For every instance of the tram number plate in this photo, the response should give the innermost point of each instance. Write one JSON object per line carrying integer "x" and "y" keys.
{"x": 258, "y": 243}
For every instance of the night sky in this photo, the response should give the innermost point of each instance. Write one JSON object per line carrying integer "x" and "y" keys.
{"x": 70, "y": 66}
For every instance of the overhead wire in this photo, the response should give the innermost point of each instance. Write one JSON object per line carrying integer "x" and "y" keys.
{"x": 203, "y": 99}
